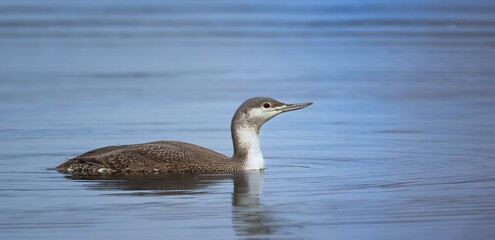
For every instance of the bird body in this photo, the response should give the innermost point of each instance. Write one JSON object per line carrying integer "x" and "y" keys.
{"x": 153, "y": 157}
{"x": 171, "y": 156}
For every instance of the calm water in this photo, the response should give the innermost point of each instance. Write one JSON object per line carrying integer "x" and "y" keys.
{"x": 398, "y": 145}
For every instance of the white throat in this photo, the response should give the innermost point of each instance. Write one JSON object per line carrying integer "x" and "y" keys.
{"x": 248, "y": 139}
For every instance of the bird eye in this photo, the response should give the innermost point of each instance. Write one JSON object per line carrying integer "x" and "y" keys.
{"x": 266, "y": 105}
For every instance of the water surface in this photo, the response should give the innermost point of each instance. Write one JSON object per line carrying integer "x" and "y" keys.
{"x": 398, "y": 145}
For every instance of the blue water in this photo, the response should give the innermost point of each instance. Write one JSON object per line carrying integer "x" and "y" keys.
{"x": 398, "y": 145}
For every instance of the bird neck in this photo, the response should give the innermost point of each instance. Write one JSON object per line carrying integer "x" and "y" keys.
{"x": 247, "y": 146}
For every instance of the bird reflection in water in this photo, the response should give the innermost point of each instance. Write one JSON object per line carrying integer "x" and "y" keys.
{"x": 248, "y": 218}
{"x": 159, "y": 184}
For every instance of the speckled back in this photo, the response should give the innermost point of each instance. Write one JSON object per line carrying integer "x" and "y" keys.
{"x": 163, "y": 156}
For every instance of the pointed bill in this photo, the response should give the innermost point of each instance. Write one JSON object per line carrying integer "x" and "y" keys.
{"x": 292, "y": 107}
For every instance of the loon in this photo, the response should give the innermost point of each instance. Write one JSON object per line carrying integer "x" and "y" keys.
{"x": 171, "y": 156}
